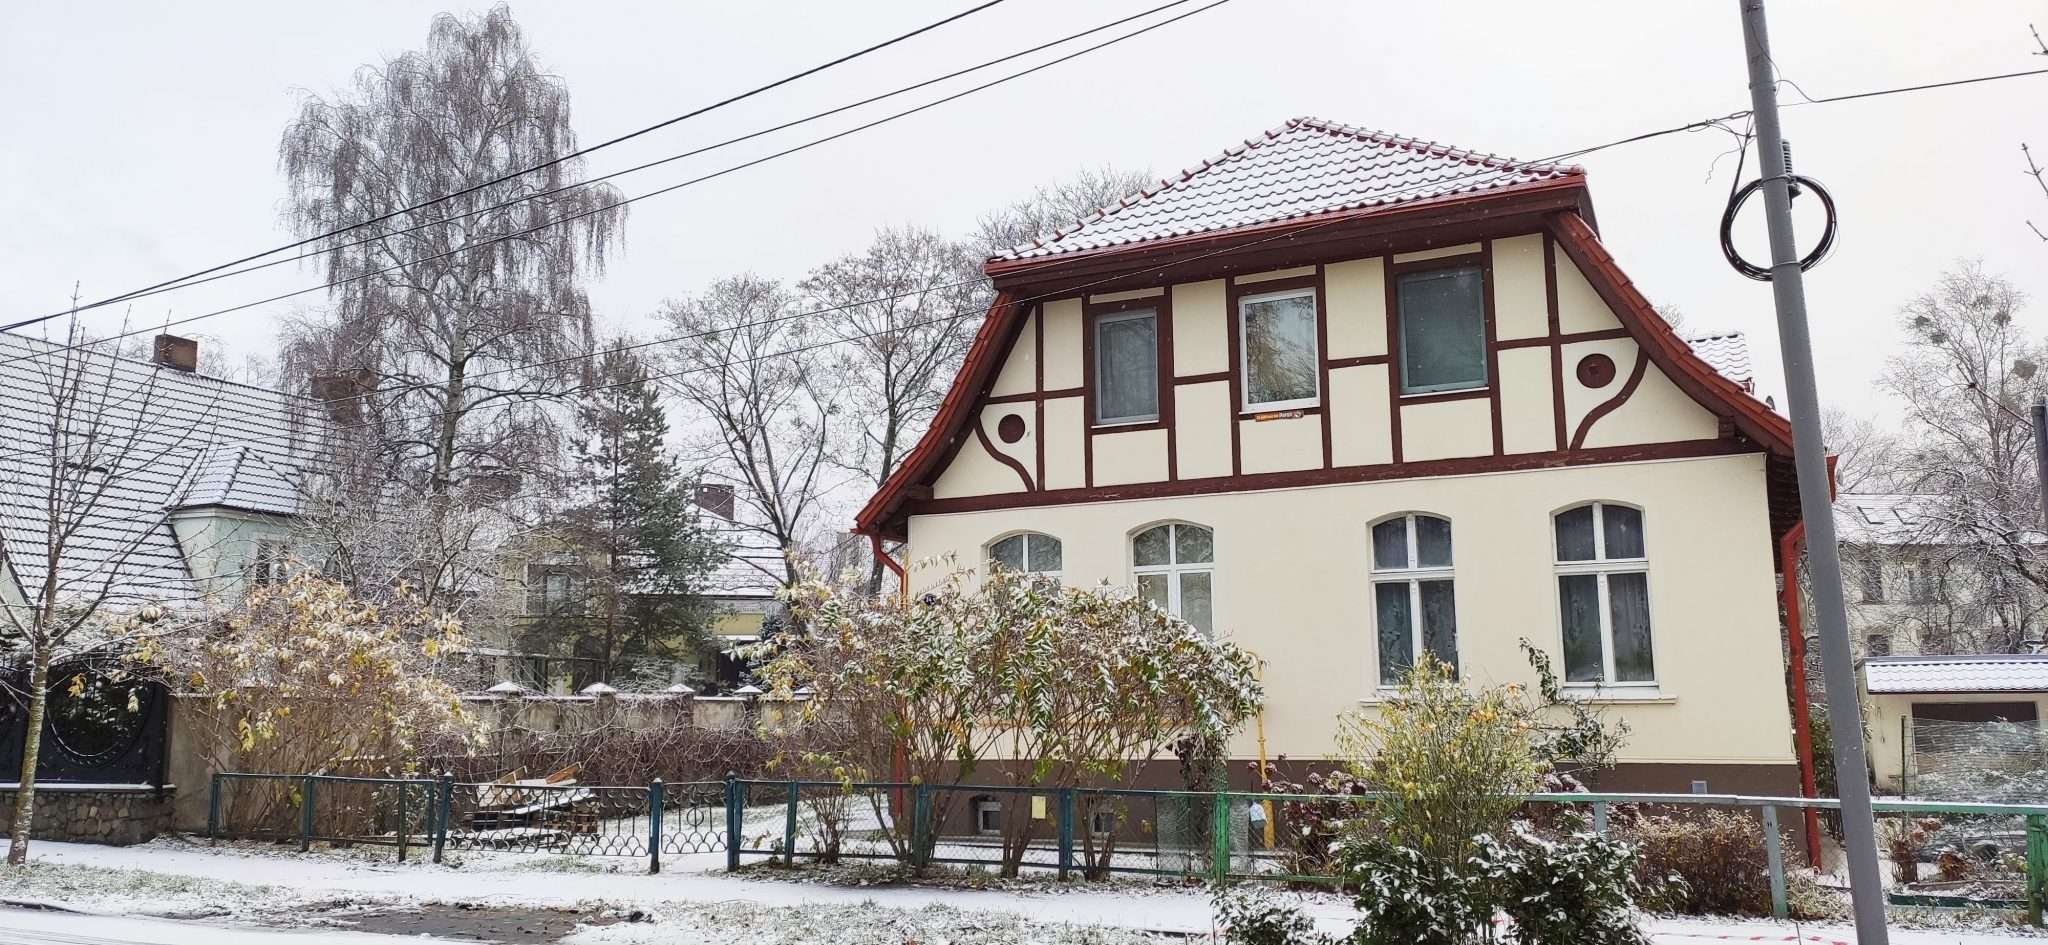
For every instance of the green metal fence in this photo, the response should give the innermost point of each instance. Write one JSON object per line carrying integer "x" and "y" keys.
{"x": 1223, "y": 836}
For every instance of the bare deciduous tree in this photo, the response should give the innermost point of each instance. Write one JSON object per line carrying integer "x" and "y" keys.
{"x": 99, "y": 458}
{"x": 907, "y": 307}
{"x": 1966, "y": 377}
{"x": 756, "y": 378}
{"x": 1055, "y": 207}
{"x": 454, "y": 337}
{"x": 1864, "y": 452}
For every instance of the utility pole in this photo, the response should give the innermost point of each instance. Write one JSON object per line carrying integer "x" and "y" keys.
{"x": 1816, "y": 504}
{"x": 2040, "y": 413}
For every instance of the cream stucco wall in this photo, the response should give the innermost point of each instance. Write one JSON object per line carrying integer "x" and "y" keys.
{"x": 1062, "y": 344}
{"x": 1292, "y": 585}
{"x": 1357, "y": 304}
{"x": 1359, "y": 416}
{"x": 1019, "y": 374}
{"x": 1065, "y": 462}
{"x": 1527, "y": 422}
{"x": 1521, "y": 309}
{"x": 1200, "y": 342}
{"x": 1130, "y": 456}
{"x": 975, "y": 472}
{"x": 1202, "y": 435}
{"x": 1446, "y": 429}
{"x": 1282, "y": 444}
{"x": 1579, "y": 308}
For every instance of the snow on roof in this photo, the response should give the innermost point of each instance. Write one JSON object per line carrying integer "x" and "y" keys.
{"x": 1887, "y": 518}
{"x": 1728, "y": 354}
{"x": 1304, "y": 167}
{"x": 183, "y": 440}
{"x": 1909, "y": 674}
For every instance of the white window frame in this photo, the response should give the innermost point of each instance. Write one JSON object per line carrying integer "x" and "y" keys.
{"x": 1601, "y": 567}
{"x": 1095, "y": 343}
{"x": 988, "y": 553}
{"x": 983, "y": 808}
{"x": 1400, "y": 353}
{"x": 1244, "y": 354}
{"x": 1175, "y": 569}
{"x": 1413, "y": 575}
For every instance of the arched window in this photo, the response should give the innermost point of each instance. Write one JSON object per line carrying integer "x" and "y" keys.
{"x": 1027, "y": 553}
{"x": 1603, "y": 595}
{"x": 1414, "y": 604}
{"x": 1175, "y": 567}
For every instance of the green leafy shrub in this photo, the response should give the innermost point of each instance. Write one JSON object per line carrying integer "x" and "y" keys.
{"x": 1253, "y": 916}
{"x": 1584, "y": 890}
{"x": 1406, "y": 897}
{"x": 1718, "y": 855}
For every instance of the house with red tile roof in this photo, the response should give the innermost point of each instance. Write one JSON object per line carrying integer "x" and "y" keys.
{"x": 1345, "y": 398}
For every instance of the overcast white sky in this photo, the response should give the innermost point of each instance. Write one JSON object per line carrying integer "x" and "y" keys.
{"x": 140, "y": 138}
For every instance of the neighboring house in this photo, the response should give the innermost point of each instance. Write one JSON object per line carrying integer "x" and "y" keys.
{"x": 195, "y": 482}
{"x": 1344, "y": 397}
{"x": 1913, "y": 588}
{"x": 741, "y": 589}
{"x": 1958, "y": 726}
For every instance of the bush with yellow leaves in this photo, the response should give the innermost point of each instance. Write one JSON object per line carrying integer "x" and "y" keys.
{"x": 1447, "y": 763}
{"x": 304, "y": 678}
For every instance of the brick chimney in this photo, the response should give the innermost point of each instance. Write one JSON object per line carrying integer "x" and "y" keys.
{"x": 178, "y": 353}
{"x": 716, "y": 498}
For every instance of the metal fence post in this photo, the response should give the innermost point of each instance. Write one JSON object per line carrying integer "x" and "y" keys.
{"x": 404, "y": 830}
{"x": 306, "y": 813}
{"x": 213, "y": 807}
{"x": 1775, "y": 857}
{"x": 2037, "y": 865}
{"x": 1600, "y": 818}
{"x": 444, "y": 799}
{"x": 920, "y": 824}
{"x": 789, "y": 828}
{"x": 654, "y": 813}
{"x": 732, "y": 821}
{"x": 1219, "y": 853}
{"x": 1066, "y": 831}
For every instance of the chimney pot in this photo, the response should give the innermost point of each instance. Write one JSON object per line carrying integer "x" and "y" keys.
{"x": 177, "y": 353}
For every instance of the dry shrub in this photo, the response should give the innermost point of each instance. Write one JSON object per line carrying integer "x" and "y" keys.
{"x": 1720, "y": 856}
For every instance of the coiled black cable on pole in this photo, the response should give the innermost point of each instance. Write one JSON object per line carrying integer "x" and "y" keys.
{"x": 1735, "y": 202}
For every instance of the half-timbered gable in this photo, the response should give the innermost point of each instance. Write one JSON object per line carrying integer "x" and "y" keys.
{"x": 1349, "y": 397}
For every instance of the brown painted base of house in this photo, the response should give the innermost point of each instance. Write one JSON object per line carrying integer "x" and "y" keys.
{"x": 117, "y": 815}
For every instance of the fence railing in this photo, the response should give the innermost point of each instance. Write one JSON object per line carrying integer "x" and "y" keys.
{"x": 1216, "y": 836}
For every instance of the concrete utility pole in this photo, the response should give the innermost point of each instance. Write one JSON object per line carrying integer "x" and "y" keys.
{"x": 2040, "y": 413}
{"x": 1816, "y": 505}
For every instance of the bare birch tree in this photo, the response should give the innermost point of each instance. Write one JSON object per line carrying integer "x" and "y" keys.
{"x": 754, "y": 377}
{"x": 452, "y": 339}
{"x": 907, "y": 307}
{"x": 98, "y": 459}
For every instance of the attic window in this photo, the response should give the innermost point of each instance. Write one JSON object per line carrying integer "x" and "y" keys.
{"x": 1127, "y": 367}
{"x": 1443, "y": 330}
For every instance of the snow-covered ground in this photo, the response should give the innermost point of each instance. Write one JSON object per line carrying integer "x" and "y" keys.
{"x": 692, "y": 900}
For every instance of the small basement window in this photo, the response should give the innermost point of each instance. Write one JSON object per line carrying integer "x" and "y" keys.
{"x": 988, "y": 817}
{"x": 1443, "y": 330}
{"x": 1102, "y": 823}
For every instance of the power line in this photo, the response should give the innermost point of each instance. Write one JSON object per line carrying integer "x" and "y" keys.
{"x": 679, "y": 186}
{"x": 657, "y": 126}
{"x": 216, "y": 275}
{"x": 1489, "y": 172}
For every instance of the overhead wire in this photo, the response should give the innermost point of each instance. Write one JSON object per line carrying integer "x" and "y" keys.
{"x": 551, "y": 162}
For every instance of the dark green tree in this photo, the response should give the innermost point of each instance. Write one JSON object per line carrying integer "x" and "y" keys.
{"x": 636, "y": 594}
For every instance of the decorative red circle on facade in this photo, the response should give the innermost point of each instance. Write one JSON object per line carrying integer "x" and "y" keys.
{"x": 1011, "y": 427}
{"x": 1596, "y": 371}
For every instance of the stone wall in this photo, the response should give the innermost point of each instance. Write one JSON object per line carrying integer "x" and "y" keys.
{"x": 118, "y": 815}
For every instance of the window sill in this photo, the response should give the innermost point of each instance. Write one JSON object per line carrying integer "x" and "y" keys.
{"x": 1455, "y": 393}
{"x": 1620, "y": 695}
{"x": 1116, "y": 425}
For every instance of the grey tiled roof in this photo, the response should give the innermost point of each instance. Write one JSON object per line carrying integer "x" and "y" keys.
{"x": 1907, "y": 674}
{"x": 1888, "y": 518}
{"x": 174, "y": 440}
{"x": 1727, "y": 353}
{"x": 1305, "y": 167}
